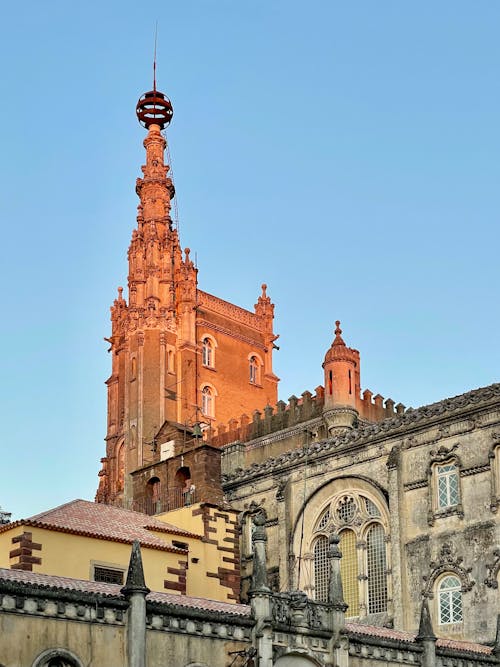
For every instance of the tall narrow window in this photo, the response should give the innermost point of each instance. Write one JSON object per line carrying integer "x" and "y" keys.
{"x": 321, "y": 569}
{"x": 254, "y": 370}
{"x": 450, "y": 600}
{"x": 448, "y": 490}
{"x": 207, "y": 352}
{"x": 170, "y": 362}
{"x": 349, "y": 571}
{"x": 376, "y": 569}
{"x": 207, "y": 402}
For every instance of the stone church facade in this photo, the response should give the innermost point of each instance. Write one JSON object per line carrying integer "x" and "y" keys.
{"x": 414, "y": 499}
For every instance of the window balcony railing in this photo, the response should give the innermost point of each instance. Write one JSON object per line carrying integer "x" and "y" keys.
{"x": 164, "y": 502}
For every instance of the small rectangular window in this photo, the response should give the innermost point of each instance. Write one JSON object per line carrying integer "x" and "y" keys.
{"x": 447, "y": 486}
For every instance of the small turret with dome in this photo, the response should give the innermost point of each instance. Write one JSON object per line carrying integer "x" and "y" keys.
{"x": 342, "y": 383}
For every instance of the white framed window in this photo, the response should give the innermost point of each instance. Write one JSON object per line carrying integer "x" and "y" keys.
{"x": 448, "y": 485}
{"x": 254, "y": 368}
{"x": 208, "y": 346}
{"x": 207, "y": 401}
{"x": 449, "y": 598}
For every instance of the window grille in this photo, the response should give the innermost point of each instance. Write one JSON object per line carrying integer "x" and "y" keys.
{"x": 376, "y": 569}
{"x": 108, "y": 575}
{"x": 371, "y": 508}
{"x": 450, "y": 600}
{"x": 349, "y": 571}
{"x": 346, "y": 509}
{"x": 324, "y": 520}
{"x": 448, "y": 486}
{"x": 321, "y": 569}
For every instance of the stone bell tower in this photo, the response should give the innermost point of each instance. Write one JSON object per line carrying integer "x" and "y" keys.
{"x": 180, "y": 357}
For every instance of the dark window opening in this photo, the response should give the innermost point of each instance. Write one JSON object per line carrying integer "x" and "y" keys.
{"x": 108, "y": 575}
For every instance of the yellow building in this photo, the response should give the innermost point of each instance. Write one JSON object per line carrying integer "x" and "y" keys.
{"x": 86, "y": 540}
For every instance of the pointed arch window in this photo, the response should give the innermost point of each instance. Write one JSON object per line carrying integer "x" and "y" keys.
{"x": 361, "y": 522}
{"x": 449, "y": 591}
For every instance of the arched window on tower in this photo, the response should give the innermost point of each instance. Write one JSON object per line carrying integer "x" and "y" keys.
{"x": 254, "y": 369}
{"x": 153, "y": 496}
{"x": 207, "y": 352}
{"x": 207, "y": 402}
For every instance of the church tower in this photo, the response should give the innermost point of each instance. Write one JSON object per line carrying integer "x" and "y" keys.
{"x": 183, "y": 361}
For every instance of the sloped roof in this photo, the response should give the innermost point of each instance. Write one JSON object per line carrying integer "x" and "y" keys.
{"x": 82, "y": 517}
{"x": 49, "y": 581}
{"x": 409, "y": 637}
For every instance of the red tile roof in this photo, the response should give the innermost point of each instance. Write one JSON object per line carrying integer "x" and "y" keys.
{"x": 399, "y": 635}
{"x": 51, "y": 581}
{"x": 82, "y": 517}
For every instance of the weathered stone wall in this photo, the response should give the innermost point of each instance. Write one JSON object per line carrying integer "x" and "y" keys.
{"x": 394, "y": 464}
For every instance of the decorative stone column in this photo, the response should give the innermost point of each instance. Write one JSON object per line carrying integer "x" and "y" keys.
{"x": 135, "y": 590}
{"x": 260, "y": 594}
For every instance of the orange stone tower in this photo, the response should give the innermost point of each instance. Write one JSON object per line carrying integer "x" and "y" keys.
{"x": 183, "y": 361}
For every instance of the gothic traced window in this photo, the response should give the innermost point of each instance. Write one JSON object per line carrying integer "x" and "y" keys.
{"x": 449, "y": 595}
{"x": 362, "y": 527}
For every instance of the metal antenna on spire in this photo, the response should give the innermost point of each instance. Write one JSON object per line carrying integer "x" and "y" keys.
{"x": 154, "y": 58}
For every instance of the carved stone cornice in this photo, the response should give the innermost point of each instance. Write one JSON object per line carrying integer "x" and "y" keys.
{"x": 393, "y": 427}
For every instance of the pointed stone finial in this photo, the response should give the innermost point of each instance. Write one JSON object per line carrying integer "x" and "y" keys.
{"x": 186, "y": 252}
{"x": 338, "y": 337}
{"x": 425, "y": 631}
{"x": 135, "y": 575}
{"x": 264, "y": 288}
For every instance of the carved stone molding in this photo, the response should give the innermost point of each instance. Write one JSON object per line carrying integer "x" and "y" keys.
{"x": 493, "y": 569}
{"x": 447, "y": 562}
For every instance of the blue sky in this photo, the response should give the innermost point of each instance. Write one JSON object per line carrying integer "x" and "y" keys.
{"x": 345, "y": 153}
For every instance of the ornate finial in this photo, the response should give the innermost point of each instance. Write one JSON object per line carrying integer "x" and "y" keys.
{"x": 264, "y": 287}
{"x": 186, "y": 252}
{"x": 120, "y": 293}
{"x": 338, "y": 337}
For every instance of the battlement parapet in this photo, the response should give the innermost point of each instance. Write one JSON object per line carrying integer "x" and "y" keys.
{"x": 296, "y": 411}
{"x": 270, "y": 420}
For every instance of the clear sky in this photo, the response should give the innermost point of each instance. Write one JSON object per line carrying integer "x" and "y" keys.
{"x": 345, "y": 153}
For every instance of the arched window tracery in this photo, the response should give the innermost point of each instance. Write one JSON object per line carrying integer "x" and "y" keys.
{"x": 362, "y": 524}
